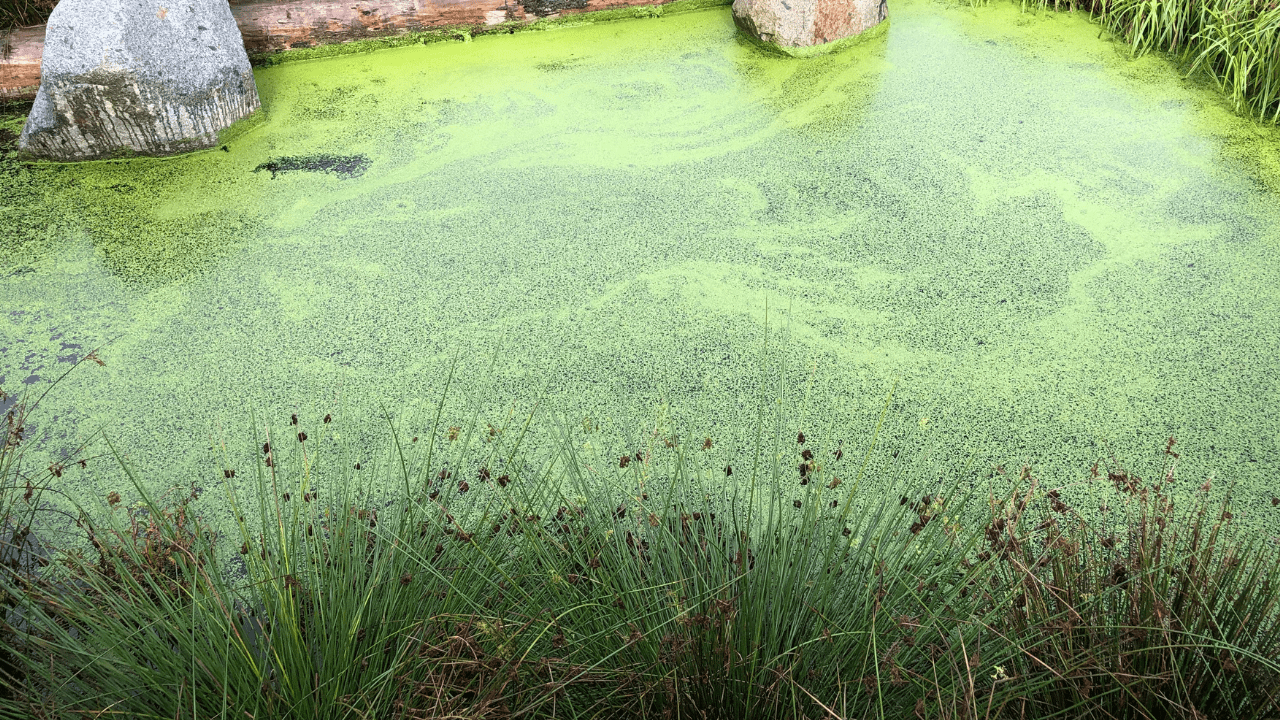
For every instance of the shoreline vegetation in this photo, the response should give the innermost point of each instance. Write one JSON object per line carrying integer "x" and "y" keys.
{"x": 459, "y": 577}
{"x": 1234, "y": 43}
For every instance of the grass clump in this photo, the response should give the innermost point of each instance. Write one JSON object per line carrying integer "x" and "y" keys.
{"x": 1235, "y": 43}
{"x": 459, "y": 577}
{"x": 1160, "y": 613}
{"x": 20, "y": 13}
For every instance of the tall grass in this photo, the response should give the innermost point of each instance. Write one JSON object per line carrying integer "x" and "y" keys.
{"x": 459, "y": 577}
{"x": 1235, "y": 43}
{"x": 1157, "y": 613}
{"x": 18, "y": 13}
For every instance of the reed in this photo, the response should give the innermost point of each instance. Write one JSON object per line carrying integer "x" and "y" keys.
{"x": 465, "y": 575}
{"x": 1233, "y": 43}
{"x": 20, "y": 13}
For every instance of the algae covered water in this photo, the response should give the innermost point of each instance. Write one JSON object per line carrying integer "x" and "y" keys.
{"x": 1058, "y": 253}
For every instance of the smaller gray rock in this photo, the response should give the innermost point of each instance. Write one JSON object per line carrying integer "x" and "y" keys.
{"x": 793, "y": 25}
{"x": 152, "y": 77}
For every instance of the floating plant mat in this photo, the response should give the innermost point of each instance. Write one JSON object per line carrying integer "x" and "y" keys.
{"x": 1058, "y": 253}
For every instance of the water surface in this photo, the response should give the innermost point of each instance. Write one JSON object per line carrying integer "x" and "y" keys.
{"x": 1059, "y": 253}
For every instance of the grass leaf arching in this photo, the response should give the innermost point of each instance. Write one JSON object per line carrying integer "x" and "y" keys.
{"x": 537, "y": 597}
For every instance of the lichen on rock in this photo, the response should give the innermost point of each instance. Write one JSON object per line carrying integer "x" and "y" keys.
{"x": 147, "y": 77}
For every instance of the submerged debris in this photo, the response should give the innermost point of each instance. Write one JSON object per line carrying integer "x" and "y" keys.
{"x": 344, "y": 166}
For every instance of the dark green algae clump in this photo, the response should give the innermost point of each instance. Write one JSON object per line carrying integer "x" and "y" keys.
{"x": 344, "y": 166}
{"x": 1059, "y": 253}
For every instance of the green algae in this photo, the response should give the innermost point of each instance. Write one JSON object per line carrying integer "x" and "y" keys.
{"x": 1059, "y": 253}
{"x": 465, "y": 32}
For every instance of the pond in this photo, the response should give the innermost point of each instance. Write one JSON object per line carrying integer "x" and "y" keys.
{"x": 1058, "y": 253}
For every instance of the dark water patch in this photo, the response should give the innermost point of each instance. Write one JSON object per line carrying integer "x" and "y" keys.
{"x": 543, "y": 8}
{"x": 556, "y": 65}
{"x": 344, "y": 166}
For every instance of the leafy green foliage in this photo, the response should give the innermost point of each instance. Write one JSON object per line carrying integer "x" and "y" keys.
{"x": 1236, "y": 43}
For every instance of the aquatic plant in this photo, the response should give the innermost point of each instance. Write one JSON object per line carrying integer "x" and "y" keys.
{"x": 458, "y": 576}
{"x": 1150, "y": 613}
{"x": 1235, "y": 43}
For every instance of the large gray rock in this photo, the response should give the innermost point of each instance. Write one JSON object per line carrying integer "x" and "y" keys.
{"x": 154, "y": 77}
{"x": 794, "y": 25}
